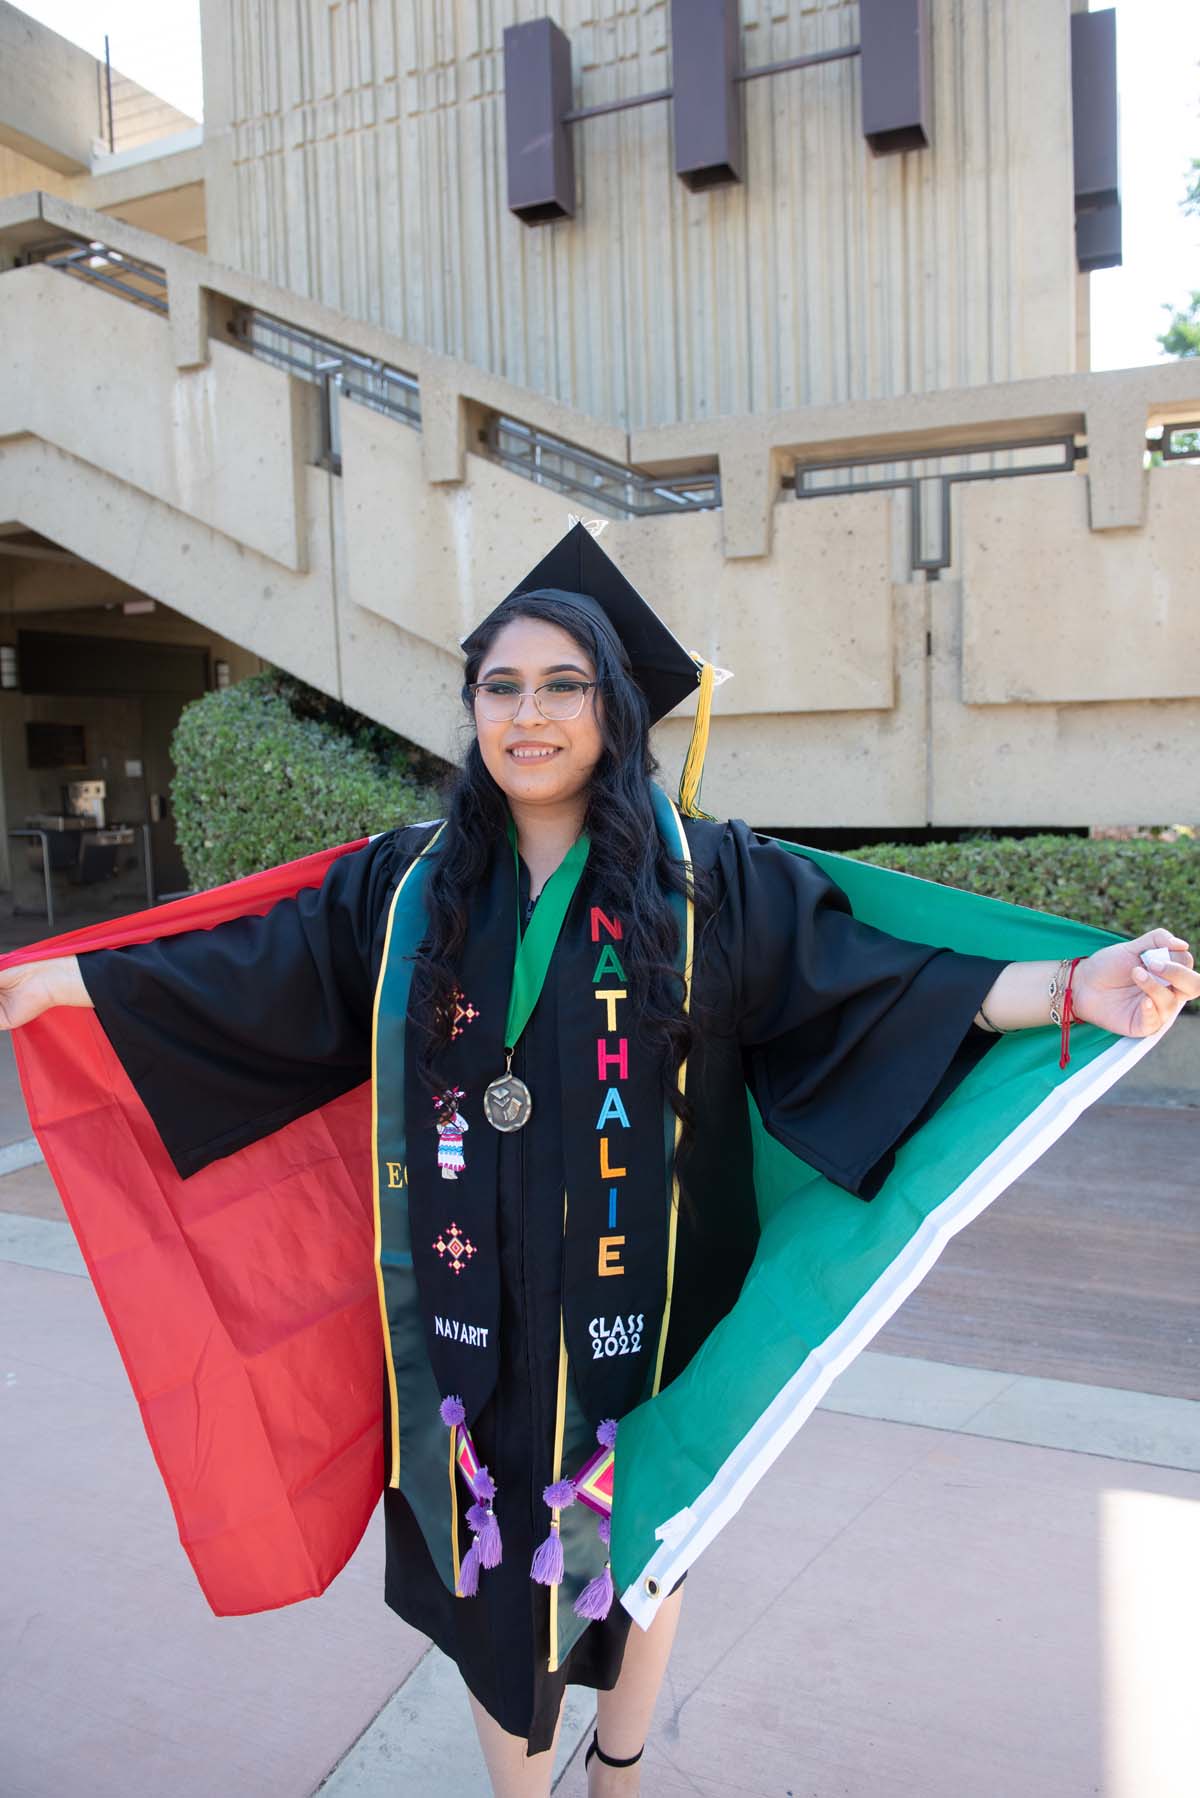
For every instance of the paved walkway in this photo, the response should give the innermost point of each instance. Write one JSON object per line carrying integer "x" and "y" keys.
{"x": 976, "y": 1569}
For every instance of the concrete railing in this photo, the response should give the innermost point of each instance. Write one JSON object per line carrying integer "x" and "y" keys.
{"x": 1112, "y": 411}
{"x": 754, "y": 454}
{"x": 202, "y": 294}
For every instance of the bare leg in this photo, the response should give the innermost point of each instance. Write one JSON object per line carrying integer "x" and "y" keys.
{"x": 623, "y": 1715}
{"x": 513, "y": 1773}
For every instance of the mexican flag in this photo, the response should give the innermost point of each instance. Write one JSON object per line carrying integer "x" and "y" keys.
{"x": 267, "y": 1428}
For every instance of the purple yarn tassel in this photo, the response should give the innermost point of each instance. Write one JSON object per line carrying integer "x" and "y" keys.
{"x": 547, "y": 1568}
{"x": 595, "y": 1601}
{"x": 468, "y": 1573}
{"x": 489, "y": 1541}
{"x": 481, "y": 1519}
{"x": 451, "y": 1412}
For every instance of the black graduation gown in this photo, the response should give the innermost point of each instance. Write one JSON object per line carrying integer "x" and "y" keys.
{"x": 848, "y": 1037}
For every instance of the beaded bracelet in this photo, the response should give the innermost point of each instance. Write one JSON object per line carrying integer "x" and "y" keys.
{"x": 1062, "y": 1012}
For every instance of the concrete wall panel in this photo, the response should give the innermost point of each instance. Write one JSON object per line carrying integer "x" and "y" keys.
{"x": 219, "y": 442}
{"x": 1055, "y": 611}
{"x": 1132, "y": 763}
{"x": 808, "y": 628}
{"x": 819, "y": 769}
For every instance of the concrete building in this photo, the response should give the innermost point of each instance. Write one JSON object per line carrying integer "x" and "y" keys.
{"x": 794, "y": 292}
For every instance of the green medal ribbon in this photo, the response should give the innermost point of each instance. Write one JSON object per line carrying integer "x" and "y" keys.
{"x": 508, "y": 1103}
{"x": 536, "y": 946}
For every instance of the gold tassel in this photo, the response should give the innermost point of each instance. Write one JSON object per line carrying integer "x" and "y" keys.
{"x": 693, "y": 767}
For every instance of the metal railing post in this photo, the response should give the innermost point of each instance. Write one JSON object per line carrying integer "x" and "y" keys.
{"x": 148, "y": 863}
{"x": 329, "y": 376}
{"x": 43, "y": 837}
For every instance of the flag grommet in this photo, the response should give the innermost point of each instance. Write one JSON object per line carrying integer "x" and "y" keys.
{"x": 652, "y": 1588}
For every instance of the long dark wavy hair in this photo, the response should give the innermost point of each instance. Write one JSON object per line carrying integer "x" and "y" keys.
{"x": 629, "y": 868}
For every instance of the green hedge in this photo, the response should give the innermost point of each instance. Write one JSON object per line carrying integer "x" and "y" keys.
{"x": 1127, "y": 887}
{"x": 257, "y": 784}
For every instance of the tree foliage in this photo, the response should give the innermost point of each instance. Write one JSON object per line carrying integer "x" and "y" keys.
{"x": 1182, "y": 335}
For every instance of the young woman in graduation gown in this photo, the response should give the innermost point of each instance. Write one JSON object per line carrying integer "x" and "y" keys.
{"x": 560, "y": 1049}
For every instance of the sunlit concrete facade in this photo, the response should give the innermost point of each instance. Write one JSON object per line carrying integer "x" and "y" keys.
{"x": 833, "y": 308}
{"x": 357, "y": 155}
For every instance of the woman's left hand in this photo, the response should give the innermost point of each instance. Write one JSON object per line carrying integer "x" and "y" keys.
{"x": 1114, "y": 988}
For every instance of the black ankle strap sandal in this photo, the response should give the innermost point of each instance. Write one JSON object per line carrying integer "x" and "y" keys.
{"x": 609, "y": 1760}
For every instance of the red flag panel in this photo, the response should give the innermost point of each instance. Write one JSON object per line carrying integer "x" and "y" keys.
{"x": 243, "y": 1300}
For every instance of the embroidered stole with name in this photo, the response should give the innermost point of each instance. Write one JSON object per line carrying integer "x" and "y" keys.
{"x": 437, "y": 1158}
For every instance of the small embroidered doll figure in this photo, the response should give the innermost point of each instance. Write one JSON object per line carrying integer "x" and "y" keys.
{"x": 451, "y": 1125}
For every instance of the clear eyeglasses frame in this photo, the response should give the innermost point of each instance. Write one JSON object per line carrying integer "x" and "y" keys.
{"x": 499, "y": 701}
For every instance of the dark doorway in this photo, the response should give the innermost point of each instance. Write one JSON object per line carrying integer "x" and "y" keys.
{"x": 155, "y": 681}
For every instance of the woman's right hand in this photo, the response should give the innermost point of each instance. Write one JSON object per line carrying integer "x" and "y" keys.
{"x": 33, "y": 987}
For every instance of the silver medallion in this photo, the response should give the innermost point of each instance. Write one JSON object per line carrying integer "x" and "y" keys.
{"x": 507, "y": 1103}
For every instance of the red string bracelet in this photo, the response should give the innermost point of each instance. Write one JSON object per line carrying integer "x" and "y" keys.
{"x": 1068, "y": 1012}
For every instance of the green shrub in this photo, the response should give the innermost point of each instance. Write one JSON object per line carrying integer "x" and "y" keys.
{"x": 1127, "y": 887}
{"x": 256, "y": 784}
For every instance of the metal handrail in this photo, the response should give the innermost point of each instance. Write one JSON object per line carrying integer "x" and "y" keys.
{"x": 556, "y": 463}
{"x": 97, "y": 263}
{"x": 944, "y": 479}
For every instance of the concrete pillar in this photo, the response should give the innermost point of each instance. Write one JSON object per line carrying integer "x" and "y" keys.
{"x": 443, "y": 431}
{"x": 1116, "y": 438}
{"x": 749, "y": 487}
{"x": 188, "y": 303}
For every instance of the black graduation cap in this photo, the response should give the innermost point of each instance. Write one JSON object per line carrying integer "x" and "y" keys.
{"x": 579, "y": 568}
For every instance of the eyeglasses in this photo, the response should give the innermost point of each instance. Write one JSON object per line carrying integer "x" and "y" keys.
{"x": 499, "y": 701}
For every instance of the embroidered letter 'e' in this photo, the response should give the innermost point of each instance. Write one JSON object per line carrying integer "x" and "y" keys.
{"x": 610, "y": 1249}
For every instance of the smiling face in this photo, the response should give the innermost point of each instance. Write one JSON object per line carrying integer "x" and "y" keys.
{"x": 536, "y": 760}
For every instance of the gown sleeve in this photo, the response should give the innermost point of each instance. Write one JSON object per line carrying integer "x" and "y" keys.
{"x": 230, "y": 1033}
{"x": 851, "y": 1037}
